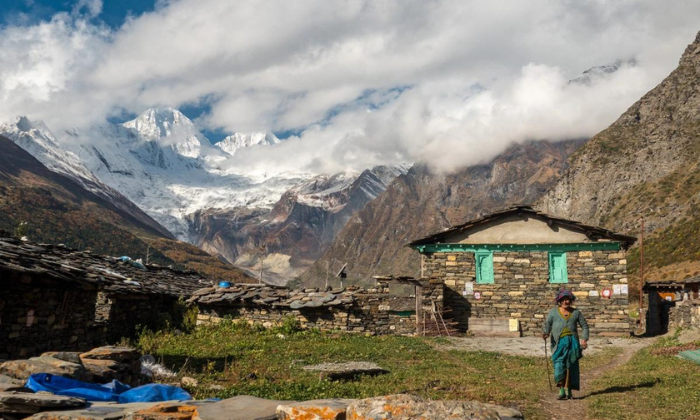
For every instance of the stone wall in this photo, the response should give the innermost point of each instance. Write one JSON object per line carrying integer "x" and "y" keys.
{"x": 374, "y": 311}
{"x": 521, "y": 288}
{"x": 38, "y": 315}
{"x": 684, "y": 314}
{"x": 123, "y": 315}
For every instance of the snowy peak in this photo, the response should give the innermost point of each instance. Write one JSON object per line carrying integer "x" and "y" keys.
{"x": 238, "y": 141}
{"x": 39, "y": 141}
{"x": 156, "y": 123}
{"x": 169, "y": 127}
{"x": 24, "y": 128}
{"x": 598, "y": 72}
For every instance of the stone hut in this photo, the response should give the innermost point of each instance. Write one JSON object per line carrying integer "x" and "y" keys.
{"x": 672, "y": 304}
{"x": 502, "y": 271}
{"x": 56, "y": 298}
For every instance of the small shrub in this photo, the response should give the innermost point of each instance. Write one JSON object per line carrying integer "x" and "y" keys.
{"x": 290, "y": 325}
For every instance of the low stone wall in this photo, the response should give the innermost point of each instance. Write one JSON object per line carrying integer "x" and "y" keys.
{"x": 522, "y": 291}
{"x": 685, "y": 314}
{"x": 38, "y": 315}
{"x": 373, "y": 311}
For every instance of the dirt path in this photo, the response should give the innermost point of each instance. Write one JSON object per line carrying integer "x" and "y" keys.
{"x": 577, "y": 408}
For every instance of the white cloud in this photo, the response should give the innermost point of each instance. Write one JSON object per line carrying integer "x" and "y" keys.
{"x": 476, "y": 75}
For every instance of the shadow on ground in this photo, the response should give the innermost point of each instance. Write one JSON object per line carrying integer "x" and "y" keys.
{"x": 622, "y": 389}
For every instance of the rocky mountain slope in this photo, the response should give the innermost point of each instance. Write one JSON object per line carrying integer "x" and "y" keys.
{"x": 420, "y": 203}
{"x": 58, "y": 209}
{"x": 301, "y": 225}
{"x": 646, "y": 164}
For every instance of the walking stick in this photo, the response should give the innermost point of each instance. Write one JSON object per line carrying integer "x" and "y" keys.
{"x": 546, "y": 362}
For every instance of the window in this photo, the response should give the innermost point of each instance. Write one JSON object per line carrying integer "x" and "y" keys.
{"x": 484, "y": 266}
{"x": 557, "y": 267}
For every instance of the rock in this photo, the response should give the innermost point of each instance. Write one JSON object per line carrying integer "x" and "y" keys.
{"x": 349, "y": 370}
{"x": 328, "y": 409}
{"x": 68, "y": 356}
{"x": 189, "y": 382}
{"x": 118, "y": 354}
{"x": 10, "y": 384}
{"x": 242, "y": 407}
{"x": 506, "y": 412}
{"x": 167, "y": 411}
{"x": 29, "y": 403}
{"x": 111, "y": 362}
{"x": 410, "y": 407}
{"x": 22, "y": 369}
{"x": 132, "y": 411}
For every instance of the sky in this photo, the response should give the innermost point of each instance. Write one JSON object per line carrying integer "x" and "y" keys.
{"x": 348, "y": 84}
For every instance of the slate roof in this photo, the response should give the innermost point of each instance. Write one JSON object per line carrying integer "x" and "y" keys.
{"x": 592, "y": 232}
{"x": 660, "y": 284}
{"x": 273, "y": 296}
{"x": 60, "y": 263}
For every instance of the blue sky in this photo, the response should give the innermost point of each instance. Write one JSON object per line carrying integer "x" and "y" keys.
{"x": 114, "y": 12}
{"x": 351, "y": 84}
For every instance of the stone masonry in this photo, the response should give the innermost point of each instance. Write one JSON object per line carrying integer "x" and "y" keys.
{"x": 521, "y": 288}
{"x": 372, "y": 311}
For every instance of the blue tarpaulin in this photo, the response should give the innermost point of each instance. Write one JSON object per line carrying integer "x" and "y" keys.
{"x": 113, "y": 391}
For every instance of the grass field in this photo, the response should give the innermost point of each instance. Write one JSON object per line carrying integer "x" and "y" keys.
{"x": 654, "y": 384}
{"x": 268, "y": 364}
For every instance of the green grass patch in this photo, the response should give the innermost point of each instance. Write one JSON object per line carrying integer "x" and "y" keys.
{"x": 648, "y": 387}
{"x": 245, "y": 359}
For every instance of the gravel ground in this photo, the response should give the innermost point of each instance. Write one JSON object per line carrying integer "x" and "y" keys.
{"x": 532, "y": 346}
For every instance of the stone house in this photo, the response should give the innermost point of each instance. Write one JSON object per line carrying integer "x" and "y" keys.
{"x": 502, "y": 271}
{"x": 55, "y": 298}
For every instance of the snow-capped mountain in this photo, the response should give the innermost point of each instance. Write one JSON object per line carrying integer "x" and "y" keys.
{"x": 39, "y": 141}
{"x": 238, "y": 141}
{"x": 163, "y": 164}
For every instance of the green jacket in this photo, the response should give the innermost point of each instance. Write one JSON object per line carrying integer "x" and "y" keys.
{"x": 555, "y": 323}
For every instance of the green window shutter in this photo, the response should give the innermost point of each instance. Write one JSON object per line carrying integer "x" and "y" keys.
{"x": 484, "y": 267}
{"x": 557, "y": 268}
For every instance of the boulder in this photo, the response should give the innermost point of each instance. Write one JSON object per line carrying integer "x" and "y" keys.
{"x": 410, "y": 407}
{"x": 111, "y": 362}
{"x": 30, "y": 403}
{"x": 348, "y": 370}
{"x": 242, "y": 407}
{"x": 328, "y": 409}
{"x": 22, "y": 369}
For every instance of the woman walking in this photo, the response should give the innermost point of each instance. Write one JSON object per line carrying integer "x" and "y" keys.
{"x": 567, "y": 347}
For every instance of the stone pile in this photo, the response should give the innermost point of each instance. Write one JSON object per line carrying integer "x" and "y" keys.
{"x": 100, "y": 365}
{"x": 244, "y": 407}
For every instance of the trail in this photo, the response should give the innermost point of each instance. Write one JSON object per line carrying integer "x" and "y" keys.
{"x": 577, "y": 408}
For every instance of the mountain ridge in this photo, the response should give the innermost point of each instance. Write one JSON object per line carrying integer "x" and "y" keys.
{"x": 420, "y": 203}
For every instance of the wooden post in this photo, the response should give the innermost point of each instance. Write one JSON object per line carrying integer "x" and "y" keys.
{"x": 641, "y": 272}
